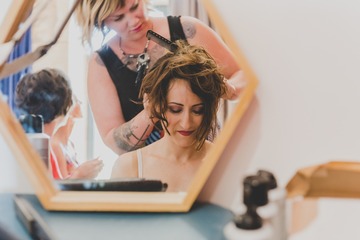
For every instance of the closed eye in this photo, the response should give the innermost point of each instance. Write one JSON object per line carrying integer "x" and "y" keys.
{"x": 199, "y": 112}
{"x": 134, "y": 7}
{"x": 119, "y": 18}
{"x": 199, "y": 109}
{"x": 175, "y": 109}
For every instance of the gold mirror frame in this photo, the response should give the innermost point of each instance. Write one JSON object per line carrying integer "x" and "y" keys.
{"x": 53, "y": 199}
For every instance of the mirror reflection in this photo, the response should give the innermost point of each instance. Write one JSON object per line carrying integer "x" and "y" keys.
{"x": 113, "y": 69}
{"x": 182, "y": 92}
{"x": 47, "y": 95}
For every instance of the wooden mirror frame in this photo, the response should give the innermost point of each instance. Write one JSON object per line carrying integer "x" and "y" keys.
{"x": 53, "y": 199}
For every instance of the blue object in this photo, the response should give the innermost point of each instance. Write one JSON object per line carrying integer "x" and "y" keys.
{"x": 203, "y": 222}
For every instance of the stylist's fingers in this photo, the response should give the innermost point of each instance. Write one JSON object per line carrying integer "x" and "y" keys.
{"x": 145, "y": 98}
{"x": 146, "y": 102}
{"x": 147, "y": 105}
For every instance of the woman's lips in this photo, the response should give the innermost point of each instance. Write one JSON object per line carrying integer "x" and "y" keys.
{"x": 137, "y": 29}
{"x": 185, "y": 133}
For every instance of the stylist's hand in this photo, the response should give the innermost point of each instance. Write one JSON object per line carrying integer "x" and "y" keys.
{"x": 146, "y": 104}
{"x": 235, "y": 85}
{"x": 147, "y": 109}
{"x": 88, "y": 170}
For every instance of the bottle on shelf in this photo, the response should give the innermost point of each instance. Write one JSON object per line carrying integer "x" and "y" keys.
{"x": 250, "y": 225}
{"x": 34, "y": 129}
{"x": 277, "y": 197}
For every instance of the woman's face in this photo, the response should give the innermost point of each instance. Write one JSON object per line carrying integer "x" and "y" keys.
{"x": 131, "y": 21}
{"x": 184, "y": 113}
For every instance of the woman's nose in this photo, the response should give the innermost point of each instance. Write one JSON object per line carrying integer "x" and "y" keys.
{"x": 133, "y": 19}
{"x": 186, "y": 120}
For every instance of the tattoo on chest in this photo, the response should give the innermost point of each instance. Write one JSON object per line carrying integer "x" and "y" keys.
{"x": 129, "y": 62}
{"x": 155, "y": 53}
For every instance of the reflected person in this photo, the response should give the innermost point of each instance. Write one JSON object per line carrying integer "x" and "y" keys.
{"x": 182, "y": 91}
{"x": 113, "y": 69}
{"x": 48, "y": 93}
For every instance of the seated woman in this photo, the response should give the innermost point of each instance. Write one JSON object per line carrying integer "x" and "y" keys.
{"x": 48, "y": 93}
{"x": 182, "y": 91}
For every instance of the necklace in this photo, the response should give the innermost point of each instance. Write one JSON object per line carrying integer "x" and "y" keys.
{"x": 129, "y": 58}
{"x": 142, "y": 61}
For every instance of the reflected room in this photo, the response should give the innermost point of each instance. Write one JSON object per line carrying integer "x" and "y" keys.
{"x": 68, "y": 55}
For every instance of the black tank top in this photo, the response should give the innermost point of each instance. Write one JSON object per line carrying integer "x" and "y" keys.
{"x": 124, "y": 78}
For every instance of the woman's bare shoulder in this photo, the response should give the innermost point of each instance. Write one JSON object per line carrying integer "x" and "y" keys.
{"x": 188, "y": 21}
{"x": 125, "y": 165}
{"x": 184, "y": 18}
{"x": 194, "y": 28}
{"x": 95, "y": 58}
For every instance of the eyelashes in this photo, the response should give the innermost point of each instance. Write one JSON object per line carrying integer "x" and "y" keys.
{"x": 177, "y": 110}
{"x": 200, "y": 111}
{"x": 173, "y": 110}
{"x": 119, "y": 18}
{"x": 135, "y": 6}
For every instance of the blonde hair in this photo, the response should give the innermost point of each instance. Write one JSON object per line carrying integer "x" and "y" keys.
{"x": 194, "y": 65}
{"x": 91, "y": 14}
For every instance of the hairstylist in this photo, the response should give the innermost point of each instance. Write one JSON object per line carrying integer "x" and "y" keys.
{"x": 123, "y": 124}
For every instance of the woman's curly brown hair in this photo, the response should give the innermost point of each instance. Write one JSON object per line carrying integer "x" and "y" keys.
{"x": 194, "y": 65}
{"x": 46, "y": 93}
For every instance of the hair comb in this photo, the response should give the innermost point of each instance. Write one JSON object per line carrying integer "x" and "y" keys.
{"x": 164, "y": 42}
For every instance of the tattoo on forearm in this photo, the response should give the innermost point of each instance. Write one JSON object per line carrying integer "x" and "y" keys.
{"x": 189, "y": 29}
{"x": 123, "y": 134}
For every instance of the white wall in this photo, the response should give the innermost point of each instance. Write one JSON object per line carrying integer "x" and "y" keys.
{"x": 12, "y": 177}
{"x": 5, "y": 4}
{"x": 306, "y": 55}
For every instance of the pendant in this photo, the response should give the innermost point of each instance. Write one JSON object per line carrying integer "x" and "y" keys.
{"x": 142, "y": 64}
{"x": 142, "y": 59}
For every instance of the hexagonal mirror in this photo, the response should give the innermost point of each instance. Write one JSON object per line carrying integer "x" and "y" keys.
{"x": 53, "y": 198}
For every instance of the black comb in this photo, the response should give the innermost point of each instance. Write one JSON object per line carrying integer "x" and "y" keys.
{"x": 164, "y": 42}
